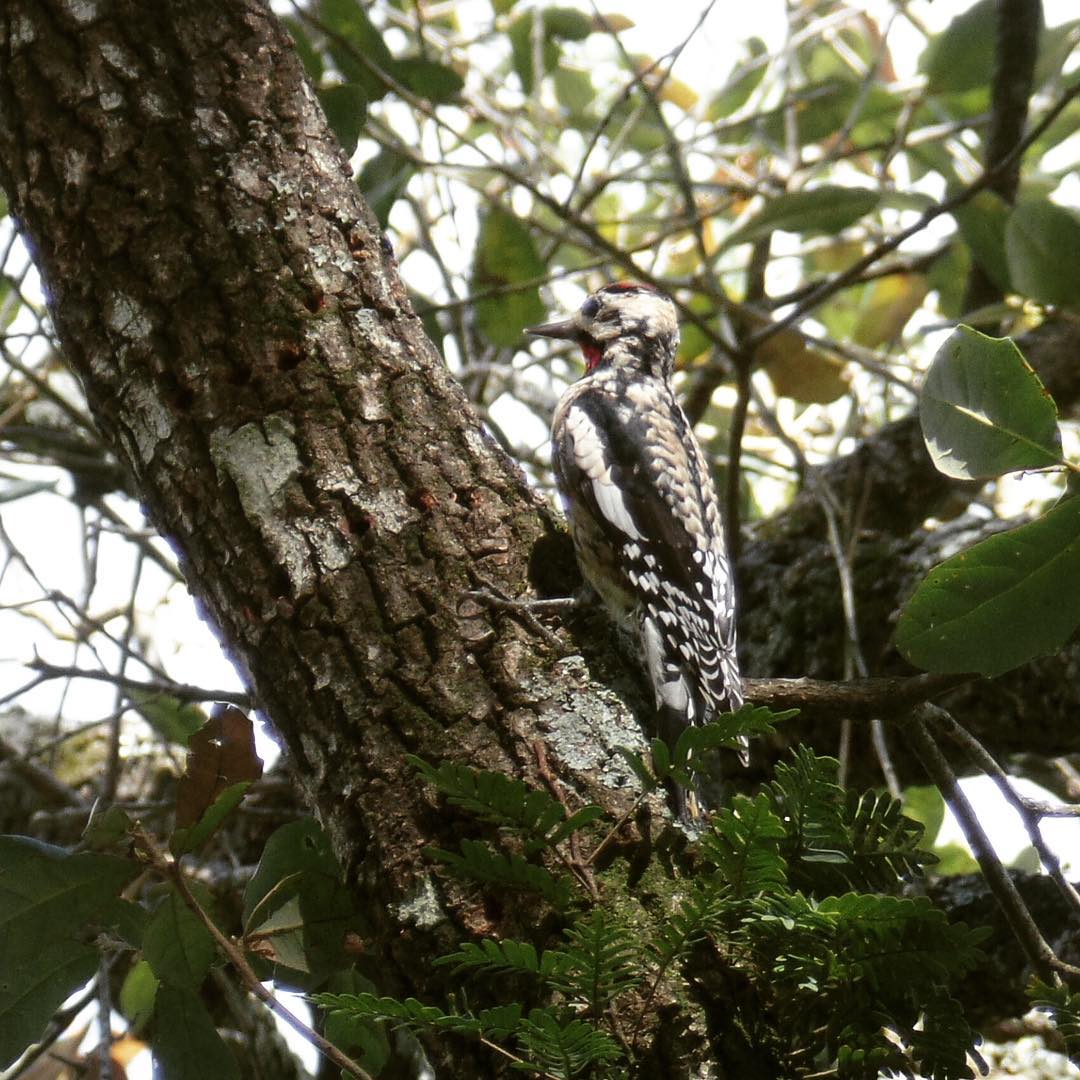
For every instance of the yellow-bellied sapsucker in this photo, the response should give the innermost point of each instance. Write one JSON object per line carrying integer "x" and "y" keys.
{"x": 641, "y": 506}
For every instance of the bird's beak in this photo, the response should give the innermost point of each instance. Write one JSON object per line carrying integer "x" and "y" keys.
{"x": 567, "y": 330}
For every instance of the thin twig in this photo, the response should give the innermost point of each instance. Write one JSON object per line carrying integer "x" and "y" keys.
{"x": 182, "y": 691}
{"x": 846, "y": 277}
{"x": 1041, "y": 957}
{"x": 171, "y": 871}
{"x": 578, "y": 866}
{"x": 1030, "y": 812}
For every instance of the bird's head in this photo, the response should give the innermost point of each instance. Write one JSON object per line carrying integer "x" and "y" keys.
{"x": 622, "y": 325}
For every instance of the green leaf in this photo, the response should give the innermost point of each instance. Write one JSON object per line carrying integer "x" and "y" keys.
{"x": 1064, "y": 1009}
{"x": 177, "y": 945}
{"x": 565, "y": 1049}
{"x": 744, "y": 844}
{"x": 724, "y": 730}
{"x": 982, "y": 221}
{"x": 138, "y": 994}
{"x": 496, "y": 957}
{"x": 186, "y": 1044}
{"x": 825, "y": 209}
{"x": 506, "y": 258}
{"x": 429, "y": 79}
{"x": 174, "y": 720}
{"x": 505, "y": 801}
{"x": 923, "y": 803}
{"x": 345, "y": 107}
{"x": 601, "y": 960}
{"x": 298, "y": 911}
{"x": 353, "y": 38}
{"x": 478, "y": 862}
{"x": 1042, "y": 245}
{"x": 52, "y": 904}
{"x": 188, "y": 839}
{"x": 559, "y": 24}
{"x": 961, "y": 57}
{"x": 983, "y": 410}
{"x": 637, "y": 763}
{"x": 741, "y": 83}
{"x": 1001, "y": 603}
{"x": 382, "y": 181}
{"x": 661, "y": 758}
{"x": 521, "y": 51}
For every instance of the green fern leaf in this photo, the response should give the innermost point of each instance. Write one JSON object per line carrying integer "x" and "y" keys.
{"x": 744, "y": 845}
{"x": 601, "y": 961}
{"x": 479, "y": 862}
{"x": 506, "y": 802}
{"x": 726, "y": 730}
{"x": 1064, "y": 1010}
{"x": 564, "y": 1049}
{"x": 942, "y": 1046}
{"x": 505, "y": 957}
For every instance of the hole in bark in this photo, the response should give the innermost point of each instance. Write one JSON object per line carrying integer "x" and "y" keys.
{"x": 314, "y": 300}
{"x": 279, "y": 583}
{"x": 240, "y": 375}
{"x": 358, "y": 521}
{"x": 553, "y": 570}
{"x": 290, "y": 357}
{"x": 181, "y": 395}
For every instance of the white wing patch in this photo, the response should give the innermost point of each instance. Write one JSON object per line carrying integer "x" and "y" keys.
{"x": 589, "y": 458}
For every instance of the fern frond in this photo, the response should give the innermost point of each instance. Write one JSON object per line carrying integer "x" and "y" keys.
{"x": 564, "y": 1049}
{"x": 479, "y": 862}
{"x": 600, "y": 962}
{"x": 806, "y": 796}
{"x": 884, "y": 842}
{"x": 498, "y": 958}
{"x": 942, "y": 1045}
{"x": 725, "y": 730}
{"x": 1064, "y": 1010}
{"x": 506, "y": 802}
{"x": 743, "y": 843}
{"x": 700, "y": 912}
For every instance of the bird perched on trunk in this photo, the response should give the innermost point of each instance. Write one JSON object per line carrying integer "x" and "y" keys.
{"x": 641, "y": 506}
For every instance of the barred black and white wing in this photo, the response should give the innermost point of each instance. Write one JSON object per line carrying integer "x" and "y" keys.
{"x": 647, "y": 528}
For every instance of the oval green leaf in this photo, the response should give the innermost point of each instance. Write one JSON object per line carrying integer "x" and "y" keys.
{"x": 1042, "y": 246}
{"x": 983, "y": 410}
{"x": 825, "y": 209}
{"x": 982, "y": 221}
{"x": 961, "y": 57}
{"x": 345, "y": 108}
{"x": 1002, "y": 602}
{"x": 506, "y": 259}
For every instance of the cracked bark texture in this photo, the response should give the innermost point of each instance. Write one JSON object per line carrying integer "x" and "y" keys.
{"x": 248, "y": 350}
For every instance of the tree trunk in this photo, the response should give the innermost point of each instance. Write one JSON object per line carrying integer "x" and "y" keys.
{"x": 248, "y": 349}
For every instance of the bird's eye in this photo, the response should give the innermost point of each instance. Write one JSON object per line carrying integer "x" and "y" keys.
{"x": 590, "y": 307}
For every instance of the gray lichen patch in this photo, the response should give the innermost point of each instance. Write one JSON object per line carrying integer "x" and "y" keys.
{"x": 585, "y": 724}
{"x": 261, "y": 460}
{"x": 422, "y": 909}
{"x": 125, "y": 317}
{"x": 149, "y": 421}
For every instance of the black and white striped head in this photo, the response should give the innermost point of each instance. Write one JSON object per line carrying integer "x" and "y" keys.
{"x": 622, "y": 325}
